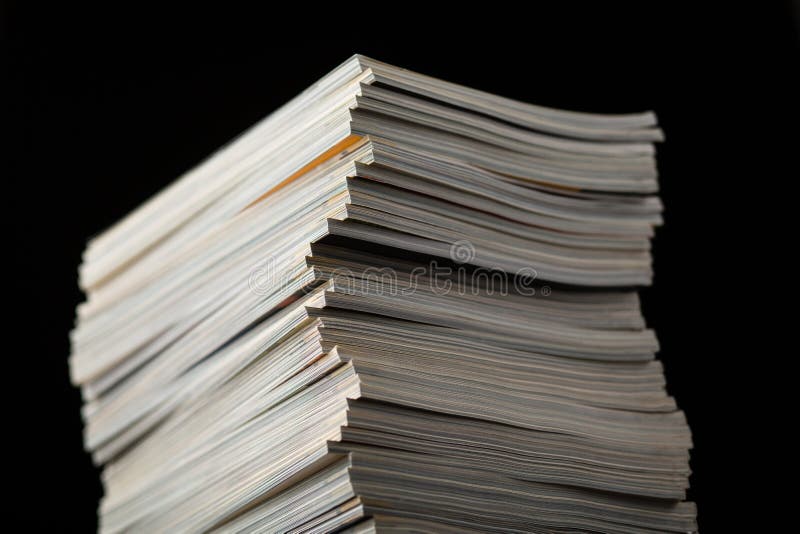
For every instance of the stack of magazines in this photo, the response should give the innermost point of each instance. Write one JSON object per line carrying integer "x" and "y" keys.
{"x": 396, "y": 304}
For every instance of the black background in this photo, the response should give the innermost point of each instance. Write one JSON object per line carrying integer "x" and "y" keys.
{"x": 99, "y": 118}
